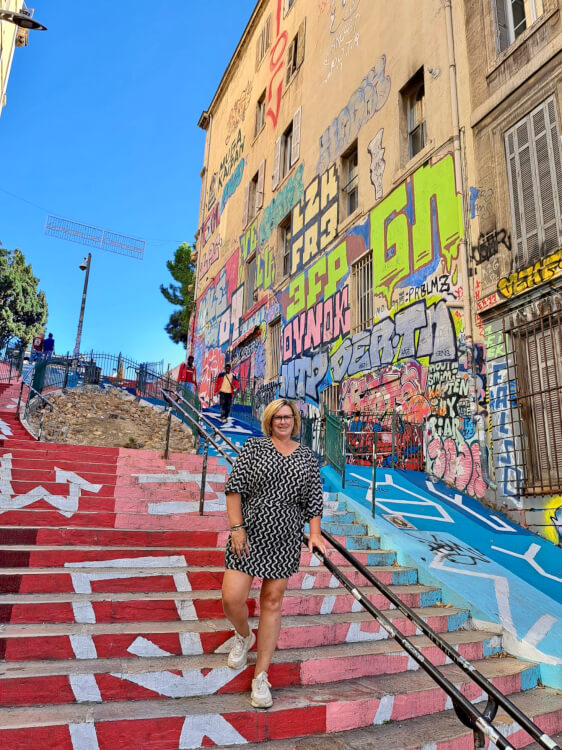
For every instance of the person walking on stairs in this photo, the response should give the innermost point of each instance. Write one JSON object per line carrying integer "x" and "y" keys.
{"x": 226, "y": 386}
{"x": 274, "y": 488}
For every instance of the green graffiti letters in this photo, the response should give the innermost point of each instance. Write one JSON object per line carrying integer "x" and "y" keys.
{"x": 418, "y": 224}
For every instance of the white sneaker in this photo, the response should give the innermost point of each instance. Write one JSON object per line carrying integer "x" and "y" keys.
{"x": 238, "y": 656}
{"x": 261, "y": 695}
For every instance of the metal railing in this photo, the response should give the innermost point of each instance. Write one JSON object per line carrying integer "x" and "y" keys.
{"x": 31, "y": 396}
{"x": 480, "y": 722}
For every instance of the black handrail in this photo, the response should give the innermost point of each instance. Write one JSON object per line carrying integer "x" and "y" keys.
{"x": 495, "y": 697}
{"x": 202, "y": 418}
{"x": 479, "y": 722}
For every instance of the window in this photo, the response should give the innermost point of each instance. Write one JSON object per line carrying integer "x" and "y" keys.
{"x": 287, "y": 5}
{"x": 534, "y": 169}
{"x": 350, "y": 171}
{"x": 295, "y": 53}
{"x": 260, "y": 114}
{"x": 251, "y": 291}
{"x": 287, "y": 149}
{"x": 413, "y": 96}
{"x": 285, "y": 241}
{"x": 538, "y": 375}
{"x": 264, "y": 40}
{"x": 362, "y": 279}
{"x": 275, "y": 348}
{"x": 253, "y": 198}
{"x": 513, "y": 17}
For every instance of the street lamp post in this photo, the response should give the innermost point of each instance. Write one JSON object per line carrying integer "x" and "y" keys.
{"x": 23, "y": 20}
{"x": 84, "y": 266}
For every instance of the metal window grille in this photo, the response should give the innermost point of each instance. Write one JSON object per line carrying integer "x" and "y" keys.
{"x": 534, "y": 168}
{"x": 535, "y": 369}
{"x": 330, "y": 398}
{"x": 275, "y": 347}
{"x": 362, "y": 275}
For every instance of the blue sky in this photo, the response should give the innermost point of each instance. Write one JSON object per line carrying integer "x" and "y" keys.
{"x": 100, "y": 127}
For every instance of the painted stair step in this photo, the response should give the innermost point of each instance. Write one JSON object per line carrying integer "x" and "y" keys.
{"x": 45, "y": 476}
{"x": 136, "y": 521}
{"x": 102, "y": 491}
{"x": 345, "y": 529}
{"x": 52, "y": 641}
{"x": 189, "y": 605}
{"x": 73, "y": 450}
{"x": 442, "y": 731}
{"x": 16, "y": 536}
{"x": 128, "y": 679}
{"x": 129, "y": 576}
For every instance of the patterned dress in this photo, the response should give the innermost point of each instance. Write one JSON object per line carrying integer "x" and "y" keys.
{"x": 279, "y": 494}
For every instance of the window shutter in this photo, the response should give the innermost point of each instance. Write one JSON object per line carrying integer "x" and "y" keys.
{"x": 260, "y": 186}
{"x": 296, "y": 145}
{"x": 276, "y": 164}
{"x": 502, "y": 31}
{"x": 529, "y": 190}
{"x": 267, "y": 34}
{"x": 545, "y": 186}
{"x": 512, "y": 171}
{"x": 300, "y": 45}
{"x": 556, "y": 162}
{"x": 246, "y": 204}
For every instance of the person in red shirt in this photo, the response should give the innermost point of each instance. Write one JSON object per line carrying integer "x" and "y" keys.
{"x": 188, "y": 375}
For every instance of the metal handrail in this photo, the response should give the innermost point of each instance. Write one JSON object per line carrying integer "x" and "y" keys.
{"x": 202, "y": 418}
{"x": 495, "y": 697}
{"x": 479, "y": 722}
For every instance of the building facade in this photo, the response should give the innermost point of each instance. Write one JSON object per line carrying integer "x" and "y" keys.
{"x": 335, "y": 250}
{"x": 515, "y": 72}
{"x": 11, "y": 36}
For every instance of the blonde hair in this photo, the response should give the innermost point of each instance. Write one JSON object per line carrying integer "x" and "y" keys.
{"x": 272, "y": 409}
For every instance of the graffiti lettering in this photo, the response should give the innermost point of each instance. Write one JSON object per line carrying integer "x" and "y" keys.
{"x": 320, "y": 280}
{"x": 238, "y": 112}
{"x": 318, "y": 325}
{"x": 301, "y": 377}
{"x": 457, "y": 463}
{"x": 437, "y": 285}
{"x": 232, "y": 184}
{"x": 416, "y": 331}
{"x": 480, "y": 202}
{"x": 249, "y": 241}
{"x": 345, "y": 37}
{"x": 276, "y": 65}
{"x": 281, "y": 205}
{"x": 543, "y": 270}
{"x": 376, "y": 151}
{"x": 453, "y": 552}
{"x": 415, "y": 227}
{"x": 231, "y": 159}
{"x": 210, "y": 224}
{"x": 209, "y": 257}
{"x": 489, "y": 245}
{"x": 265, "y": 394}
{"x": 315, "y": 219}
{"x": 370, "y": 97}
{"x": 265, "y": 269}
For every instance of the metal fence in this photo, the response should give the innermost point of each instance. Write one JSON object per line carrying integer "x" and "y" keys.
{"x": 388, "y": 439}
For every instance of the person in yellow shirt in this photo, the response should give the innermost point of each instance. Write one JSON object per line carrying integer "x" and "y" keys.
{"x": 226, "y": 386}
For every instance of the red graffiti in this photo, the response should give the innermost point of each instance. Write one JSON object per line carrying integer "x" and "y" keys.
{"x": 276, "y": 65}
{"x": 212, "y": 365}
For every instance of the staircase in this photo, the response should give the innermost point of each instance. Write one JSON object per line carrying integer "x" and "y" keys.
{"x": 112, "y": 633}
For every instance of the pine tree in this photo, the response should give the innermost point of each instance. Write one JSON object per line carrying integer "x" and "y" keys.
{"x": 180, "y": 294}
{"x": 23, "y": 308}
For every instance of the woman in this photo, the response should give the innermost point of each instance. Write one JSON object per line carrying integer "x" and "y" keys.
{"x": 273, "y": 489}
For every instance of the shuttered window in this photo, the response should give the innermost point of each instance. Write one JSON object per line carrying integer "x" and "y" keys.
{"x": 362, "y": 276}
{"x": 275, "y": 348}
{"x": 538, "y": 362}
{"x": 534, "y": 168}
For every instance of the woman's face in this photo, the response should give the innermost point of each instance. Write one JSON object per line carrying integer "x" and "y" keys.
{"x": 282, "y": 423}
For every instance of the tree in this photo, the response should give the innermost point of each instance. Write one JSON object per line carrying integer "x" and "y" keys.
{"x": 23, "y": 308}
{"x": 181, "y": 294}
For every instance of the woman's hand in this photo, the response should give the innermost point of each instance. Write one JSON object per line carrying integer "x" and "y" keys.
{"x": 316, "y": 540}
{"x": 239, "y": 542}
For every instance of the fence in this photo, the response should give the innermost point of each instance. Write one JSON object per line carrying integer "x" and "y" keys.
{"x": 393, "y": 441}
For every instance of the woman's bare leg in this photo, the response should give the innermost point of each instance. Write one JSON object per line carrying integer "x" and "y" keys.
{"x": 235, "y": 590}
{"x": 271, "y": 598}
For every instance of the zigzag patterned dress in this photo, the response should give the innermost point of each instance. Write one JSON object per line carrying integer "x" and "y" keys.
{"x": 279, "y": 494}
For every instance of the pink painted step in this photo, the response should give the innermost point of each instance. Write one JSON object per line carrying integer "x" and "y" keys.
{"x": 33, "y": 682}
{"x": 27, "y": 642}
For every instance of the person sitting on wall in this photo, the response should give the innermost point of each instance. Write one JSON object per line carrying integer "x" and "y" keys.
{"x": 226, "y": 386}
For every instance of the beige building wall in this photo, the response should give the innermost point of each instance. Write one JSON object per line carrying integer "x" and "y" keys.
{"x": 9, "y": 33}
{"x": 516, "y": 235}
{"x": 343, "y": 278}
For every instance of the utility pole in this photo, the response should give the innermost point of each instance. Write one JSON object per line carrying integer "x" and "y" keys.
{"x": 84, "y": 266}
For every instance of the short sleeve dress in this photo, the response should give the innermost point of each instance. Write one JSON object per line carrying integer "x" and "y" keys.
{"x": 279, "y": 494}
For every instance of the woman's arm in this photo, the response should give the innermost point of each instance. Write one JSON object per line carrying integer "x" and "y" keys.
{"x": 315, "y": 537}
{"x": 238, "y": 537}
